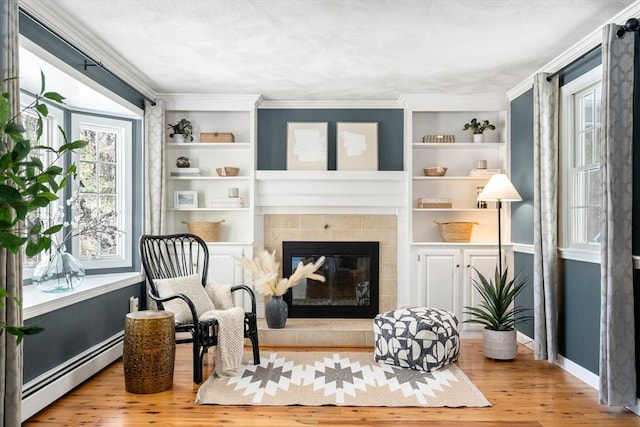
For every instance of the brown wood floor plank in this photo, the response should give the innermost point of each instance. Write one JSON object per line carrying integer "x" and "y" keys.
{"x": 524, "y": 392}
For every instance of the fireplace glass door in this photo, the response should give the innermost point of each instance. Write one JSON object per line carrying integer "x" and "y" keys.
{"x": 351, "y": 273}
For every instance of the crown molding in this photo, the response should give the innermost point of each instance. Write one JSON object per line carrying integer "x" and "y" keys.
{"x": 209, "y": 101}
{"x": 337, "y": 104}
{"x": 575, "y": 51}
{"x": 49, "y": 15}
{"x": 455, "y": 101}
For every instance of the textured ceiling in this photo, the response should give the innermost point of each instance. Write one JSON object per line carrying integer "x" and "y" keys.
{"x": 330, "y": 49}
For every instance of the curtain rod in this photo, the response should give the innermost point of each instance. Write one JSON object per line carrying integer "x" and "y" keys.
{"x": 88, "y": 61}
{"x": 587, "y": 53}
{"x": 632, "y": 24}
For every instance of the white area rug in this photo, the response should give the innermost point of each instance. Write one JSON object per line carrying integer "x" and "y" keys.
{"x": 343, "y": 379}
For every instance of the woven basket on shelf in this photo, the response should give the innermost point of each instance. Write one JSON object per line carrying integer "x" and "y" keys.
{"x": 458, "y": 232}
{"x": 207, "y": 230}
{"x": 435, "y": 171}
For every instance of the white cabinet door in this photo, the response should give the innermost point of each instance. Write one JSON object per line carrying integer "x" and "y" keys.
{"x": 224, "y": 269}
{"x": 438, "y": 272}
{"x": 475, "y": 260}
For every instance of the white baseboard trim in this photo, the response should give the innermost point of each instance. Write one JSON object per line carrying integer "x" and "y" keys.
{"x": 567, "y": 365}
{"x": 51, "y": 385}
{"x": 579, "y": 372}
{"x": 635, "y": 408}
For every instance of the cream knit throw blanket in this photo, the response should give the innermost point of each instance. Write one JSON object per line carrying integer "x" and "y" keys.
{"x": 230, "y": 346}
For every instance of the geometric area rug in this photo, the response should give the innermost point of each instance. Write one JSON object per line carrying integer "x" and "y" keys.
{"x": 342, "y": 379}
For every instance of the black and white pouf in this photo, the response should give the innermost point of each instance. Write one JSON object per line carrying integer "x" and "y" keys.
{"x": 419, "y": 338}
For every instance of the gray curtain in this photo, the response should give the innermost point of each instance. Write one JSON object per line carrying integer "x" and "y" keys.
{"x": 617, "y": 336}
{"x": 545, "y": 258}
{"x": 154, "y": 189}
{"x": 10, "y": 264}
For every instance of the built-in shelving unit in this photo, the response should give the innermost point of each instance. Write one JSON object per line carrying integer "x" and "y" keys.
{"x": 441, "y": 272}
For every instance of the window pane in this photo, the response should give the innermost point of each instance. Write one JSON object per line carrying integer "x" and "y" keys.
{"x": 89, "y": 151}
{"x": 88, "y": 176}
{"x": 107, "y": 178}
{"x": 587, "y": 111}
{"x": 107, "y": 146}
{"x": 595, "y": 187}
{"x": 598, "y": 106}
{"x": 579, "y": 193}
{"x": 578, "y": 225}
{"x": 588, "y": 148}
{"x": 593, "y": 226}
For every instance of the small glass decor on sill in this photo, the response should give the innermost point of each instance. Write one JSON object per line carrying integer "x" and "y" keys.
{"x": 60, "y": 272}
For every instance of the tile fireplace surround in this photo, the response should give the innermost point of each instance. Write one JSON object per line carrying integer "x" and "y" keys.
{"x": 334, "y": 227}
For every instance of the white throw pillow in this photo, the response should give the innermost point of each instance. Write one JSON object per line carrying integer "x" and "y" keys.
{"x": 192, "y": 288}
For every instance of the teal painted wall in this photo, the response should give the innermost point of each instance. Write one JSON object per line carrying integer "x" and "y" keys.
{"x": 522, "y": 167}
{"x": 272, "y": 134}
{"x": 73, "y": 329}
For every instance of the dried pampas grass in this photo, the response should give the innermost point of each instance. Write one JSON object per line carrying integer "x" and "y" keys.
{"x": 265, "y": 270}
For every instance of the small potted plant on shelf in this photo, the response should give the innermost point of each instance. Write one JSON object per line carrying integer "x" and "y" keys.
{"x": 478, "y": 127}
{"x": 181, "y": 131}
{"x": 498, "y": 313}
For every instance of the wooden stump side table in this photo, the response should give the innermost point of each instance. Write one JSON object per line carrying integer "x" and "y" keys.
{"x": 149, "y": 351}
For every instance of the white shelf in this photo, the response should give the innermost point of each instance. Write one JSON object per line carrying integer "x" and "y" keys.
{"x": 489, "y": 244}
{"x": 207, "y": 209}
{"x": 454, "y": 145}
{"x": 263, "y": 175}
{"x": 452, "y": 178}
{"x": 209, "y": 178}
{"x": 453, "y": 210}
{"x": 208, "y": 145}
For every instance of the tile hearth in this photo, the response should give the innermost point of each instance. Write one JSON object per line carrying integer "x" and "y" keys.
{"x": 318, "y": 332}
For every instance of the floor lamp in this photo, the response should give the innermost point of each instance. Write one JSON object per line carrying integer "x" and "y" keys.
{"x": 499, "y": 189}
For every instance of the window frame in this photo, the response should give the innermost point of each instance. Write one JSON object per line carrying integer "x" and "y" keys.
{"x": 124, "y": 193}
{"x": 568, "y": 249}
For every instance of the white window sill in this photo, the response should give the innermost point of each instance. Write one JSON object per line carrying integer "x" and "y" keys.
{"x": 36, "y": 303}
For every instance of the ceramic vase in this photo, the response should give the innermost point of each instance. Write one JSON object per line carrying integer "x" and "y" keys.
{"x": 478, "y": 137}
{"x": 60, "y": 272}
{"x": 276, "y": 311}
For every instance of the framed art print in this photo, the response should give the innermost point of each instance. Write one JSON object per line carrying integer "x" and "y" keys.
{"x": 357, "y": 146}
{"x": 185, "y": 199}
{"x": 307, "y": 146}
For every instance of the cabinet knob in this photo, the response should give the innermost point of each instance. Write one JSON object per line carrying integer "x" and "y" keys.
{"x": 457, "y": 265}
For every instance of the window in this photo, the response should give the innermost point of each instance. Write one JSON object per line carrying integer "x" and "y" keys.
{"x": 581, "y": 173}
{"x": 50, "y": 137}
{"x": 104, "y": 166}
{"x": 104, "y": 185}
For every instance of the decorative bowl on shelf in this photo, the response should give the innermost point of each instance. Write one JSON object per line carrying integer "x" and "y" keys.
{"x": 227, "y": 171}
{"x": 435, "y": 171}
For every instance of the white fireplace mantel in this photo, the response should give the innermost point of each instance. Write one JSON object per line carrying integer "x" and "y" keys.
{"x": 331, "y": 191}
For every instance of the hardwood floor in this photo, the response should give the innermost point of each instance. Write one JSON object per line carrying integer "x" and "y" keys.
{"x": 524, "y": 392}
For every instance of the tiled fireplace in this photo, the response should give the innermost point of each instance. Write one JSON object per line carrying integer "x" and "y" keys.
{"x": 338, "y": 227}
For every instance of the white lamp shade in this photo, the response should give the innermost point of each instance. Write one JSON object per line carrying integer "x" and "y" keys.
{"x": 499, "y": 189}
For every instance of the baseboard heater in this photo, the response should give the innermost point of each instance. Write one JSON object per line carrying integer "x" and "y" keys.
{"x": 51, "y": 385}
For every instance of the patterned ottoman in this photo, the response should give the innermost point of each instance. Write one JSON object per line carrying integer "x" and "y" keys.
{"x": 421, "y": 338}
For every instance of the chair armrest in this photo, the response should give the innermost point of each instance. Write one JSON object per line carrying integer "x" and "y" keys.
{"x": 250, "y": 292}
{"x": 183, "y": 297}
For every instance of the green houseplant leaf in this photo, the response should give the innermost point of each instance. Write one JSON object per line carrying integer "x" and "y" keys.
{"x": 496, "y": 310}
{"x": 26, "y": 185}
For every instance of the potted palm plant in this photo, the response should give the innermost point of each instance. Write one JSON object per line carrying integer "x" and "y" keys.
{"x": 498, "y": 313}
{"x": 477, "y": 127}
